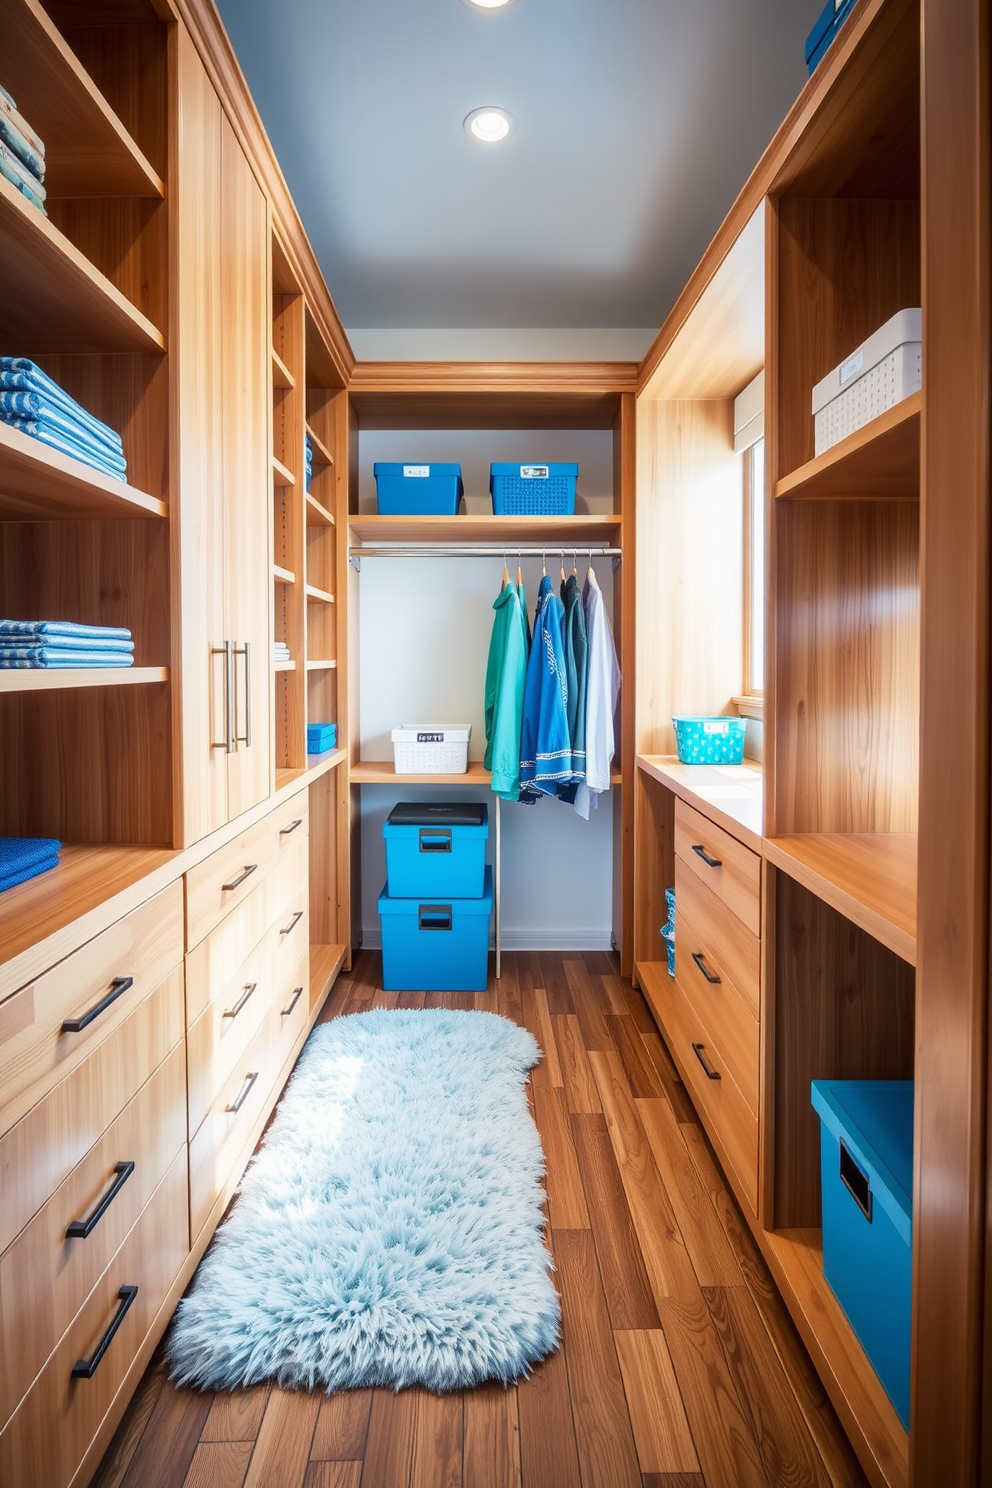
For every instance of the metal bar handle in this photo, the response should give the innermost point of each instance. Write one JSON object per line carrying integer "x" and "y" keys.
{"x": 233, "y": 883}
{"x": 245, "y": 1093}
{"x": 285, "y": 831}
{"x": 711, "y": 1074}
{"x": 288, "y": 930}
{"x": 80, "y": 1229}
{"x": 245, "y": 651}
{"x": 87, "y": 1368}
{"x": 117, "y": 989}
{"x": 235, "y": 1010}
{"x": 700, "y": 961}
{"x": 701, "y": 852}
{"x": 227, "y": 743}
{"x": 297, "y": 994}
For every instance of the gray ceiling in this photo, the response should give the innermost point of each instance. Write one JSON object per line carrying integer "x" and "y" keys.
{"x": 637, "y": 122}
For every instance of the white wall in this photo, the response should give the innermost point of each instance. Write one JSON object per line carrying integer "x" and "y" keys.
{"x": 502, "y": 344}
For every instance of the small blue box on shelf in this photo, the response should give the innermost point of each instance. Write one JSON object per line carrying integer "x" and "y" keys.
{"x": 533, "y": 490}
{"x": 417, "y": 490}
{"x": 436, "y": 945}
{"x": 321, "y": 737}
{"x": 828, "y": 23}
{"x": 866, "y": 1155}
{"x": 710, "y": 741}
{"x": 436, "y": 849}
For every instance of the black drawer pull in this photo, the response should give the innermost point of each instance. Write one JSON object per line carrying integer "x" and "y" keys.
{"x": 87, "y": 1368}
{"x": 117, "y": 989}
{"x": 293, "y": 923}
{"x": 245, "y": 1093}
{"x": 233, "y": 1012}
{"x": 701, "y": 852}
{"x": 79, "y": 1229}
{"x": 285, "y": 831}
{"x": 297, "y": 994}
{"x": 249, "y": 870}
{"x": 700, "y": 961}
{"x": 856, "y": 1183}
{"x": 711, "y": 1074}
{"x": 435, "y": 840}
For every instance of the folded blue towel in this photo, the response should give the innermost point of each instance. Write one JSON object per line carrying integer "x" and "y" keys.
{"x": 32, "y": 404}
{"x": 12, "y": 171}
{"x": 28, "y": 646}
{"x": 21, "y": 852}
{"x": 20, "y": 374}
{"x": 11, "y": 879}
{"x": 56, "y": 439}
{"x": 67, "y": 425}
{"x": 63, "y": 628}
{"x": 23, "y": 658}
{"x": 21, "y": 146}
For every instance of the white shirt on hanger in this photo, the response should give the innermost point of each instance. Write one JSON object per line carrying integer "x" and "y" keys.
{"x": 602, "y": 691}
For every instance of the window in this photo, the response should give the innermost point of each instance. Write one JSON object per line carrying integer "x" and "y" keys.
{"x": 754, "y": 570}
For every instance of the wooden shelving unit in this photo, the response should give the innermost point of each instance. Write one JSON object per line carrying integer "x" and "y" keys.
{"x": 282, "y": 377}
{"x": 282, "y": 475}
{"x": 869, "y": 877}
{"x": 53, "y": 679}
{"x": 878, "y": 462}
{"x": 381, "y": 772}
{"x": 318, "y": 514}
{"x": 556, "y": 532}
{"x": 321, "y": 454}
{"x": 42, "y": 484}
{"x": 318, "y": 596}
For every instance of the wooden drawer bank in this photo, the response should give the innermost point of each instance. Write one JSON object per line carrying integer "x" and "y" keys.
{"x": 728, "y": 868}
{"x": 215, "y": 886}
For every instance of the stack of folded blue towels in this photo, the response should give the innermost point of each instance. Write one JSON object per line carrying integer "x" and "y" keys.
{"x": 22, "y": 153}
{"x": 307, "y": 460}
{"x": 31, "y": 402}
{"x": 61, "y": 643}
{"x": 22, "y": 858}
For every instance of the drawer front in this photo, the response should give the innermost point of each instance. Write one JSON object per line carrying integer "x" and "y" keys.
{"x": 218, "y": 884}
{"x": 35, "y": 1050}
{"x": 220, "y": 1035}
{"x": 732, "y": 1025}
{"x": 46, "y": 1275}
{"x": 726, "y": 866}
{"x": 728, "y": 940}
{"x": 219, "y": 1144}
{"x": 43, "y": 1443}
{"x": 213, "y": 963}
{"x": 46, "y": 1144}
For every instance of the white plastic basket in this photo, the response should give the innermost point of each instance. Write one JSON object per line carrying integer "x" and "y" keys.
{"x": 431, "y": 748}
{"x": 884, "y": 370}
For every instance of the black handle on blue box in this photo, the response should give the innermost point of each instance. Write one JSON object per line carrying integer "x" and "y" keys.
{"x": 435, "y": 917}
{"x": 435, "y": 839}
{"x": 856, "y": 1183}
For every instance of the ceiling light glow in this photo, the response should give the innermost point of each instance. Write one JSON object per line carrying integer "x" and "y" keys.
{"x": 488, "y": 124}
{"x": 489, "y": 4}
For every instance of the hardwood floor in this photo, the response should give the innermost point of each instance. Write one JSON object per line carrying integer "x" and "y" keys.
{"x": 679, "y": 1365}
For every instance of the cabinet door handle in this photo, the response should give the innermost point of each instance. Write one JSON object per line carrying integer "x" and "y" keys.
{"x": 117, "y": 989}
{"x": 233, "y": 883}
{"x": 293, "y": 923}
{"x": 700, "y": 961}
{"x": 701, "y": 852}
{"x": 297, "y": 994}
{"x": 87, "y": 1368}
{"x": 245, "y": 738}
{"x": 79, "y": 1229}
{"x": 235, "y": 1010}
{"x": 227, "y": 743}
{"x": 285, "y": 831}
{"x": 711, "y": 1074}
{"x": 245, "y": 1093}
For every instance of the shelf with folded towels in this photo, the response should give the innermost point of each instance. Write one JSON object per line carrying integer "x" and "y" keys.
{"x": 42, "y": 484}
{"x": 50, "y": 679}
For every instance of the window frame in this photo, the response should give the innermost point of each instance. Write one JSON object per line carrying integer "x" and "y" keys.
{"x": 752, "y": 700}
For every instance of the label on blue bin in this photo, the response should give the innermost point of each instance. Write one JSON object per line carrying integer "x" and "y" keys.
{"x": 417, "y": 472}
{"x": 715, "y": 726}
{"x": 534, "y": 472}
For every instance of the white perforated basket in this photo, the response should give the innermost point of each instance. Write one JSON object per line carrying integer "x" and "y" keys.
{"x": 431, "y": 748}
{"x": 884, "y": 370}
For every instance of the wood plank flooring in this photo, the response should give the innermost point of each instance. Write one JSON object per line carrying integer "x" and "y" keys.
{"x": 679, "y": 1365}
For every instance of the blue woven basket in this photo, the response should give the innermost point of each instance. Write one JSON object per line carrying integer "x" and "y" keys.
{"x": 710, "y": 741}
{"x": 533, "y": 490}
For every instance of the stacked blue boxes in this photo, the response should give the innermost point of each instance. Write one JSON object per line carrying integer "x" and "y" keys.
{"x": 438, "y": 899}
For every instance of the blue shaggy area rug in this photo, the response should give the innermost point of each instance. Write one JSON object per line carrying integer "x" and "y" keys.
{"x": 390, "y": 1231}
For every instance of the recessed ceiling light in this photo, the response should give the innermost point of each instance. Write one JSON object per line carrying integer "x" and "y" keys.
{"x": 488, "y": 4}
{"x": 488, "y": 124}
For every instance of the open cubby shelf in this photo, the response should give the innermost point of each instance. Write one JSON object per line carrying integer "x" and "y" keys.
{"x": 556, "y": 532}
{"x": 42, "y": 484}
{"x": 318, "y": 514}
{"x": 868, "y": 877}
{"x": 880, "y": 461}
{"x": 321, "y": 454}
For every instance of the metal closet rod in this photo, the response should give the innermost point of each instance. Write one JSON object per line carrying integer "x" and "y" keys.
{"x": 495, "y": 550}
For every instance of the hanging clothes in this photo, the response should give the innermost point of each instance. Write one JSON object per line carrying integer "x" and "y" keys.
{"x": 506, "y": 676}
{"x": 575, "y": 676}
{"x": 602, "y": 691}
{"x": 545, "y": 745}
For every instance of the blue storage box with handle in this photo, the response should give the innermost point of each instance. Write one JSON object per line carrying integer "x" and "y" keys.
{"x": 866, "y": 1156}
{"x": 436, "y": 849}
{"x": 436, "y": 945}
{"x": 417, "y": 490}
{"x": 533, "y": 490}
{"x": 321, "y": 737}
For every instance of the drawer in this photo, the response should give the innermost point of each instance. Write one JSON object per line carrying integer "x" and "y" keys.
{"x": 731, "y": 1023}
{"x": 46, "y": 1275}
{"x": 219, "y": 1144}
{"x": 46, "y": 1144}
{"x": 98, "y": 986}
{"x": 45, "y": 1440}
{"x": 726, "y": 866}
{"x": 213, "y": 963}
{"x": 728, "y": 940}
{"x": 221, "y": 1034}
{"x": 215, "y": 886}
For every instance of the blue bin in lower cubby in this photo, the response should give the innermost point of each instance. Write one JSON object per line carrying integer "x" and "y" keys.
{"x": 866, "y": 1156}
{"x": 417, "y": 490}
{"x": 436, "y": 945}
{"x": 436, "y": 850}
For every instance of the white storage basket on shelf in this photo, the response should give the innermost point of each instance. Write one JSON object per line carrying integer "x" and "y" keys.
{"x": 431, "y": 748}
{"x": 884, "y": 370}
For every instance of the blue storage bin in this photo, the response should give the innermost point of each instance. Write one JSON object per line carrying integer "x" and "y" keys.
{"x": 866, "y": 1155}
{"x": 436, "y": 945}
{"x": 417, "y": 490}
{"x": 668, "y": 936}
{"x": 828, "y": 23}
{"x": 710, "y": 741}
{"x": 321, "y": 737}
{"x": 533, "y": 490}
{"x": 436, "y": 850}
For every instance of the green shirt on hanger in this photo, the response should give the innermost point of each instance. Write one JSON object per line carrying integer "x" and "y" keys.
{"x": 506, "y": 674}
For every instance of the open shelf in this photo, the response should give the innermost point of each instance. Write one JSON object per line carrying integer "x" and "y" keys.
{"x": 879, "y": 461}
{"x": 317, "y": 765}
{"x": 381, "y": 772}
{"x": 282, "y": 476}
{"x": 317, "y": 513}
{"x": 321, "y": 666}
{"x": 88, "y": 150}
{"x": 284, "y": 666}
{"x": 50, "y": 679}
{"x": 732, "y": 795}
{"x": 283, "y": 575}
{"x": 318, "y": 596}
{"x": 281, "y": 375}
{"x": 321, "y": 454}
{"x": 39, "y": 484}
{"x": 555, "y": 532}
{"x": 325, "y": 963}
{"x": 54, "y": 299}
{"x": 869, "y": 877}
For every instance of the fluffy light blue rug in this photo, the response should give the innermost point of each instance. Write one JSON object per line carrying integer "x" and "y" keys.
{"x": 390, "y": 1231}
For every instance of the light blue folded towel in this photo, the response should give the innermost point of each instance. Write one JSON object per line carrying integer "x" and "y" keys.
{"x": 23, "y": 875}
{"x": 24, "y": 404}
{"x": 22, "y": 659}
{"x": 71, "y": 628}
{"x": 86, "y": 454}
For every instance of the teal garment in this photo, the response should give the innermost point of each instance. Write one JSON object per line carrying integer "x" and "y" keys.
{"x": 506, "y": 674}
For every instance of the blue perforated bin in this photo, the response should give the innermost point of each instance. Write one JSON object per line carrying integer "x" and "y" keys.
{"x": 417, "y": 490}
{"x": 533, "y": 490}
{"x": 436, "y": 945}
{"x": 710, "y": 741}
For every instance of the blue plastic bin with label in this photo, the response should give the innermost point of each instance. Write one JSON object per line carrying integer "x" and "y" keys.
{"x": 417, "y": 490}
{"x": 436, "y": 945}
{"x": 866, "y": 1156}
{"x": 533, "y": 490}
{"x": 436, "y": 849}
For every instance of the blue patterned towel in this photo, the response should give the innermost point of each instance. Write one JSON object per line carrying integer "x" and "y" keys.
{"x": 22, "y": 403}
{"x": 24, "y": 874}
{"x": 27, "y": 646}
{"x": 23, "y": 852}
{"x": 63, "y": 628}
{"x": 21, "y": 146}
{"x": 45, "y": 433}
{"x": 22, "y": 658}
{"x": 13, "y": 171}
{"x": 21, "y": 375}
